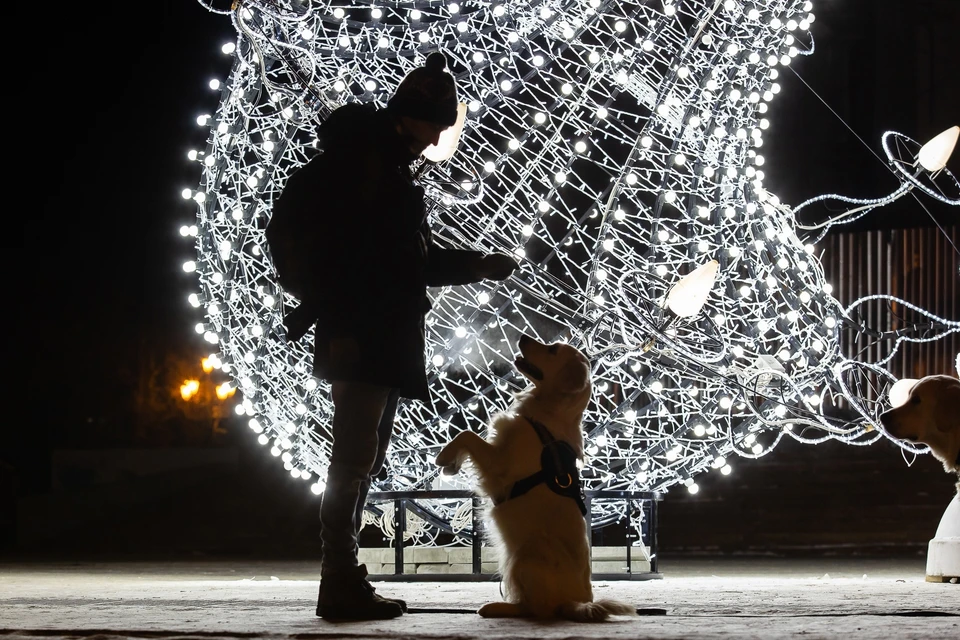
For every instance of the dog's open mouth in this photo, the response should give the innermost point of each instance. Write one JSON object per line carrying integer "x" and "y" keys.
{"x": 525, "y": 366}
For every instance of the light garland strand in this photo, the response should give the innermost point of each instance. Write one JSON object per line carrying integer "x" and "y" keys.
{"x": 612, "y": 147}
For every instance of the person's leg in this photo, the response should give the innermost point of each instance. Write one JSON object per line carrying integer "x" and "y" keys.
{"x": 384, "y": 434}
{"x": 344, "y": 591}
{"x": 358, "y": 408}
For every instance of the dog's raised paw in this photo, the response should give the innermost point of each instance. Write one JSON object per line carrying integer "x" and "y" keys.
{"x": 448, "y": 462}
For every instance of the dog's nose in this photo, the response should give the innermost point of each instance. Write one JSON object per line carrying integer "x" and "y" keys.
{"x": 524, "y": 339}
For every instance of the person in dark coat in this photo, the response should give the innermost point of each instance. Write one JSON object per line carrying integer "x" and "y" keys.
{"x": 373, "y": 263}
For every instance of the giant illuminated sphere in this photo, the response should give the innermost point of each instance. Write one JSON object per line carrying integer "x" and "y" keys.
{"x": 613, "y": 146}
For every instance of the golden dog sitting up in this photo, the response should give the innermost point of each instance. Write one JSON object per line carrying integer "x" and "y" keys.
{"x": 527, "y": 468}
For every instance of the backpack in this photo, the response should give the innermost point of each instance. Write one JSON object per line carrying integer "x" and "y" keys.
{"x": 295, "y": 230}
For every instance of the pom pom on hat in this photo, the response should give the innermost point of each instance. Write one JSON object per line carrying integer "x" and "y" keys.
{"x": 436, "y": 62}
{"x": 427, "y": 93}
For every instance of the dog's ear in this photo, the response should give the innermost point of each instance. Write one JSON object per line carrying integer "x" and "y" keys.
{"x": 573, "y": 377}
{"x": 948, "y": 403}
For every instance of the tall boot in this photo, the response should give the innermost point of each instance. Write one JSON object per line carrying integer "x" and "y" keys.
{"x": 361, "y": 505}
{"x": 338, "y": 525}
{"x": 346, "y": 595}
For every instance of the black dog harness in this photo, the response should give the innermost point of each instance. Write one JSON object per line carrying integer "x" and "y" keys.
{"x": 558, "y": 469}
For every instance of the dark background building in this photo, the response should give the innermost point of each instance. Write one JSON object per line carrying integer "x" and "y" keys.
{"x": 103, "y": 336}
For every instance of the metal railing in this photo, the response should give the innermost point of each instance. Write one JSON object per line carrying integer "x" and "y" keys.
{"x": 405, "y": 500}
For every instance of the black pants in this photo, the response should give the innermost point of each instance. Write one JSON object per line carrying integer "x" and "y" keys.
{"x": 362, "y": 427}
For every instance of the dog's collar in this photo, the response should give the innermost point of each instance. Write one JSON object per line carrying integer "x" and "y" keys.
{"x": 558, "y": 469}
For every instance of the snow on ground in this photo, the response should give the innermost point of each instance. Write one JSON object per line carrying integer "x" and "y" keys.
{"x": 703, "y": 598}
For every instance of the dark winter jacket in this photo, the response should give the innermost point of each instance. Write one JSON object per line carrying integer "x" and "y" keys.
{"x": 375, "y": 258}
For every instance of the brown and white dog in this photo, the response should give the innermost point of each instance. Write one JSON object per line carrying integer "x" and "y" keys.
{"x": 541, "y": 534}
{"x": 931, "y": 416}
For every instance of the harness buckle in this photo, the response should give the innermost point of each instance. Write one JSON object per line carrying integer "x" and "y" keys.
{"x": 559, "y": 458}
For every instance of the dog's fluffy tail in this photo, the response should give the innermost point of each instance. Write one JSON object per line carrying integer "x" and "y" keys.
{"x": 596, "y": 611}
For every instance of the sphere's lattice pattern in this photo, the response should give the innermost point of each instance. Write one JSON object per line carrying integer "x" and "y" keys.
{"x": 614, "y": 146}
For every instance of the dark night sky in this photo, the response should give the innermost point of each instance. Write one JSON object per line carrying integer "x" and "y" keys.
{"x": 112, "y": 204}
{"x": 98, "y": 269}
{"x": 99, "y": 261}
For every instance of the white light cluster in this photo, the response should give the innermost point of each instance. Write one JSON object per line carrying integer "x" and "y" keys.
{"x": 612, "y": 145}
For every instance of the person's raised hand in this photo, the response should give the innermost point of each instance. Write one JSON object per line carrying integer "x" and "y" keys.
{"x": 496, "y": 266}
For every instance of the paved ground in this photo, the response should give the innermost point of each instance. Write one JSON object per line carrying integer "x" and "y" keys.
{"x": 703, "y": 598}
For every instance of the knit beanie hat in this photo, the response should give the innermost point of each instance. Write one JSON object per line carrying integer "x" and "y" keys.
{"x": 427, "y": 93}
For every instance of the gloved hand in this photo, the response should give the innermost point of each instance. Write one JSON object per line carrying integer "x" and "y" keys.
{"x": 496, "y": 266}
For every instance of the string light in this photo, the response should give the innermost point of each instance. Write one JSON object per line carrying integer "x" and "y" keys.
{"x": 611, "y": 169}
{"x": 917, "y": 167}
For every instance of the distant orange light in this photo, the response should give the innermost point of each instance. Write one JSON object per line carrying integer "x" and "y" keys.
{"x": 207, "y": 365}
{"x": 224, "y": 390}
{"x": 189, "y": 389}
